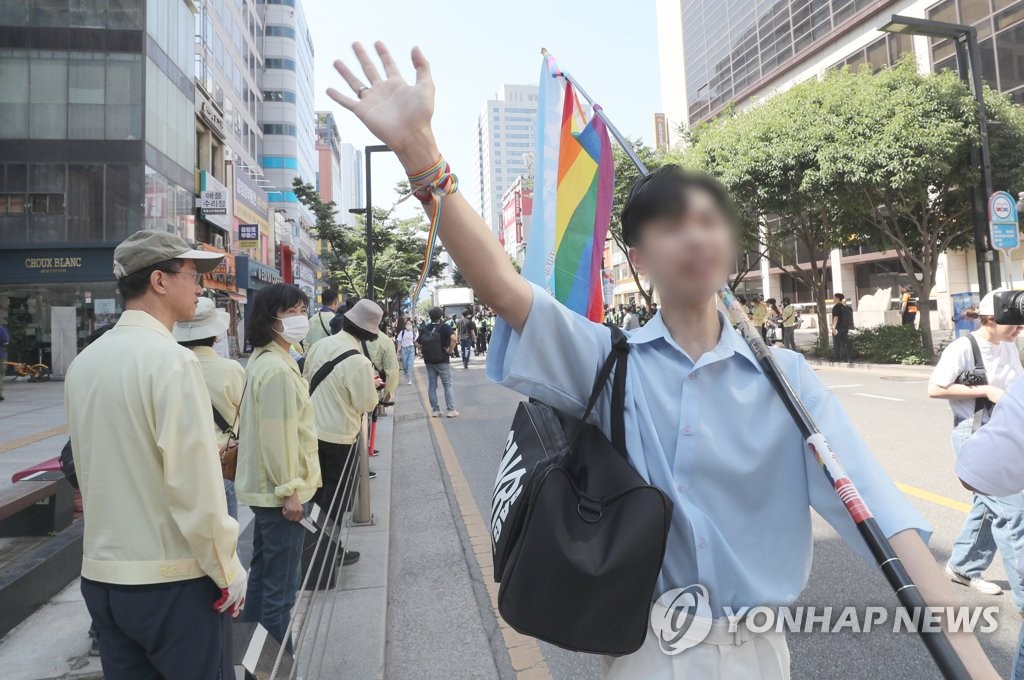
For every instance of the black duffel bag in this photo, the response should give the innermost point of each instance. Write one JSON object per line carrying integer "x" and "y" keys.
{"x": 578, "y": 535}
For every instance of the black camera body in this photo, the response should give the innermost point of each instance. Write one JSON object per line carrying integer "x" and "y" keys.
{"x": 1009, "y": 307}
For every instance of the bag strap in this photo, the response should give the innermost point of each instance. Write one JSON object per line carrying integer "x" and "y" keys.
{"x": 326, "y": 369}
{"x": 320, "y": 316}
{"x": 220, "y": 421}
{"x": 616, "y": 360}
{"x": 981, "y": 403}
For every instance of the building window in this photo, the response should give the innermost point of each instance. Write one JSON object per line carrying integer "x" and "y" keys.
{"x": 279, "y": 96}
{"x": 289, "y": 3}
{"x": 274, "y": 31}
{"x": 279, "y": 129}
{"x": 12, "y": 204}
{"x": 46, "y": 204}
{"x": 286, "y": 64}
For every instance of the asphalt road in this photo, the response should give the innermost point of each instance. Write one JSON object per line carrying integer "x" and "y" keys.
{"x": 909, "y": 434}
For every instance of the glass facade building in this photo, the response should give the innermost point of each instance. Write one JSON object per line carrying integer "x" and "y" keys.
{"x": 96, "y": 142}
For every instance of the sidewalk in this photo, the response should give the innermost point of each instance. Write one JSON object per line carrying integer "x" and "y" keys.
{"x": 53, "y": 643}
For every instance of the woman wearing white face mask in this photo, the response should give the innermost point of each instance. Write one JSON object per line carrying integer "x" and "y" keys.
{"x": 278, "y": 467}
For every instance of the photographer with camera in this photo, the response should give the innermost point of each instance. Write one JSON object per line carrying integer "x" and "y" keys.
{"x": 992, "y": 461}
{"x": 972, "y": 374}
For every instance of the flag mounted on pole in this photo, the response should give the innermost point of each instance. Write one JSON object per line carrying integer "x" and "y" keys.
{"x": 573, "y": 186}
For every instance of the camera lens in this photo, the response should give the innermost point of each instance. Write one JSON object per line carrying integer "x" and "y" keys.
{"x": 1009, "y": 307}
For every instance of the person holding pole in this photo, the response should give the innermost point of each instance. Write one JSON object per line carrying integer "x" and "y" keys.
{"x": 741, "y": 525}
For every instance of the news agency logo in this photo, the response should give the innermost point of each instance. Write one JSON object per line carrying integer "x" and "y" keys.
{"x": 683, "y": 620}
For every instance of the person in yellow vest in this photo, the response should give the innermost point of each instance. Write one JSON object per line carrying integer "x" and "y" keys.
{"x": 343, "y": 389}
{"x": 225, "y": 378}
{"x": 160, "y": 572}
{"x": 908, "y": 306}
{"x": 788, "y": 324}
{"x": 278, "y": 469}
{"x": 759, "y": 315}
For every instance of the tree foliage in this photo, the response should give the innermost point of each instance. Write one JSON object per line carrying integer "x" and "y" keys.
{"x": 860, "y": 157}
{"x": 398, "y": 248}
{"x": 626, "y": 175}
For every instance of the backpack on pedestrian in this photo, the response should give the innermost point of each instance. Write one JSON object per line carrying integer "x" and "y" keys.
{"x": 430, "y": 345}
{"x": 848, "y": 317}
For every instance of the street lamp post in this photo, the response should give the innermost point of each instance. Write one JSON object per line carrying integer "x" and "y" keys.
{"x": 968, "y": 61}
{"x": 368, "y": 210}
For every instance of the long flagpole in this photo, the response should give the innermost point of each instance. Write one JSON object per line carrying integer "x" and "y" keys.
{"x": 939, "y": 646}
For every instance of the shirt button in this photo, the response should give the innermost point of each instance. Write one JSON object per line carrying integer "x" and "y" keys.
{"x": 701, "y": 543}
{"x": 681, "y": 487}
{"x": 687, "y": 430}
{"x": 692, "y": 376}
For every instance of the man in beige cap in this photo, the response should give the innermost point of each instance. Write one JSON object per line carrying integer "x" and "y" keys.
{"x": 225, "y": 378}
{"x": 160, "y": 573}
{"x": 343, "y": 389}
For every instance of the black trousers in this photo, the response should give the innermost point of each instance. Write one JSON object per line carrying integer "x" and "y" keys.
{"x": 337, "y": 466}
{"x": 164, "y": 630}
{"x": 841, "y": 343}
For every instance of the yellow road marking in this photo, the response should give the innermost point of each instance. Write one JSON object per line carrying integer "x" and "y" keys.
{"x": 32, "y": 438}
{"x": 934, "y": 498}
{"x": 523, "y": 651}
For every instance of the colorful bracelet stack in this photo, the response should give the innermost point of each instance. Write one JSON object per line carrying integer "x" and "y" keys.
{"x": 433, "y": 183}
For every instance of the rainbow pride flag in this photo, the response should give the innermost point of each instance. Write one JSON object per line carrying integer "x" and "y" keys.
{"x": 575, "y": 169}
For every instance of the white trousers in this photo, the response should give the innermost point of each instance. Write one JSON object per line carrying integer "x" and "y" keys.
{"x": 722, "y": 656}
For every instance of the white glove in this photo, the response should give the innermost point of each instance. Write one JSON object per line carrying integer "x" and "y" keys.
{"x": 232, "y": 598}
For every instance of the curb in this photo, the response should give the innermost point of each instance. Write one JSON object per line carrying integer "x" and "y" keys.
{"x": 915, "y": 368}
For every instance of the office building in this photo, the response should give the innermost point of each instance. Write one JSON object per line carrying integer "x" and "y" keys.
{"x": 516, "y": 214}
{"x": 340, "y": 172}
{"x": 288, "y": 132}
{"x": 504, "y": 146}
{"x": 97, "y": 123}
{"x": 714, "y": 54}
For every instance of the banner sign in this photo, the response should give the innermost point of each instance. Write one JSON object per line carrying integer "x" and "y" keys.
{"x": 248, "y": 236}
{"x": 1002, "y": 221}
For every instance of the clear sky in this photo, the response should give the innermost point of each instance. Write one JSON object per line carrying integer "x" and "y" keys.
{"x": 476, "y": 46}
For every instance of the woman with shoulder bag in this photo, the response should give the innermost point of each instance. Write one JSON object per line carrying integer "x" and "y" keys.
{"x": 278, "y": 466}
{"x": 972, "y": 374}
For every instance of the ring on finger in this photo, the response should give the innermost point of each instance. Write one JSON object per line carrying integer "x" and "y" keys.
{"x": 360, "y": 91}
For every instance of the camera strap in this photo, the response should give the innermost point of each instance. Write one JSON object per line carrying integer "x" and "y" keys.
{"x": 981, "y": 403}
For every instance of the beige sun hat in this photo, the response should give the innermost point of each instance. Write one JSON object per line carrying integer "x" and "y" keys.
{"x": 147, "y": 247}
{"x": 366, "y": 315}
{"x": 208, "y": 322}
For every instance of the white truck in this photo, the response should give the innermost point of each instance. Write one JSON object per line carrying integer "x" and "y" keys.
{"x": 454, "y": 300}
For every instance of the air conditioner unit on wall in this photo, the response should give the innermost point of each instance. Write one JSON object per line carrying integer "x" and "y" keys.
{"x": 218, "y": 241}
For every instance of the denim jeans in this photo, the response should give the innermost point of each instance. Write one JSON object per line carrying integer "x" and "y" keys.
{"x": 445, "y": 371}
{"x": 408, "y": 359}
{"x": 1018, "y": 658}
{"x": 276, "y": 571}
{"x": 229, "y": 491}
{"x": 993, "y": 523}
{"x": 467, "y": 348}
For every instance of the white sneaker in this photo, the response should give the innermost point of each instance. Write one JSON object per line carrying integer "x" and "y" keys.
{"x": 408, "y": 382}
{"x": 978, "y": 583}
{"x": 437, "y": 414}
{"x": 453, "y": 414}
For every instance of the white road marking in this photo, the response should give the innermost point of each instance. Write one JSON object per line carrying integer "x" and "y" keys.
{"x": 877, "y": 396}
{"x": 836, "y": 387}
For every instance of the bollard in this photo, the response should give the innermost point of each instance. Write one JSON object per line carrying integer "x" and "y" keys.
{"x": 361, "y": 514}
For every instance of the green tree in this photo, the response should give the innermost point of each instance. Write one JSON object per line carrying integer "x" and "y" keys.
{"x": 902, "y": 148}
{"x": 398, "y": 248}
{"x": 767, "y": 157}
{"x": 626, "y": 175}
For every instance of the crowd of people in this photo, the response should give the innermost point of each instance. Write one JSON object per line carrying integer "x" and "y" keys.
{"x": 168, "y": 437}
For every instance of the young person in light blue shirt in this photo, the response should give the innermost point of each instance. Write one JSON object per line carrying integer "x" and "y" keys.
{"x": 702, "y": 421}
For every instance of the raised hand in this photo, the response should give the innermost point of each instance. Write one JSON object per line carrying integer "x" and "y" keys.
{"x": 396, "y": 112}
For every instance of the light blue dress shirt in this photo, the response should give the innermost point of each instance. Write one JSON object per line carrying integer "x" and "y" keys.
{"x": 718, "y": 440}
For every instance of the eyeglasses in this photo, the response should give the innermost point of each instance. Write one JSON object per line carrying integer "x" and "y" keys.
{"x": 198, "y": 277}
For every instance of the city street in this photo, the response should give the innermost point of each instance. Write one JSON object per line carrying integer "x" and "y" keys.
{"x": 908, "y": 432}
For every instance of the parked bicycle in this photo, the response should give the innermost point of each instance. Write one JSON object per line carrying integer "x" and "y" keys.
{"x": 34, "y": 372}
